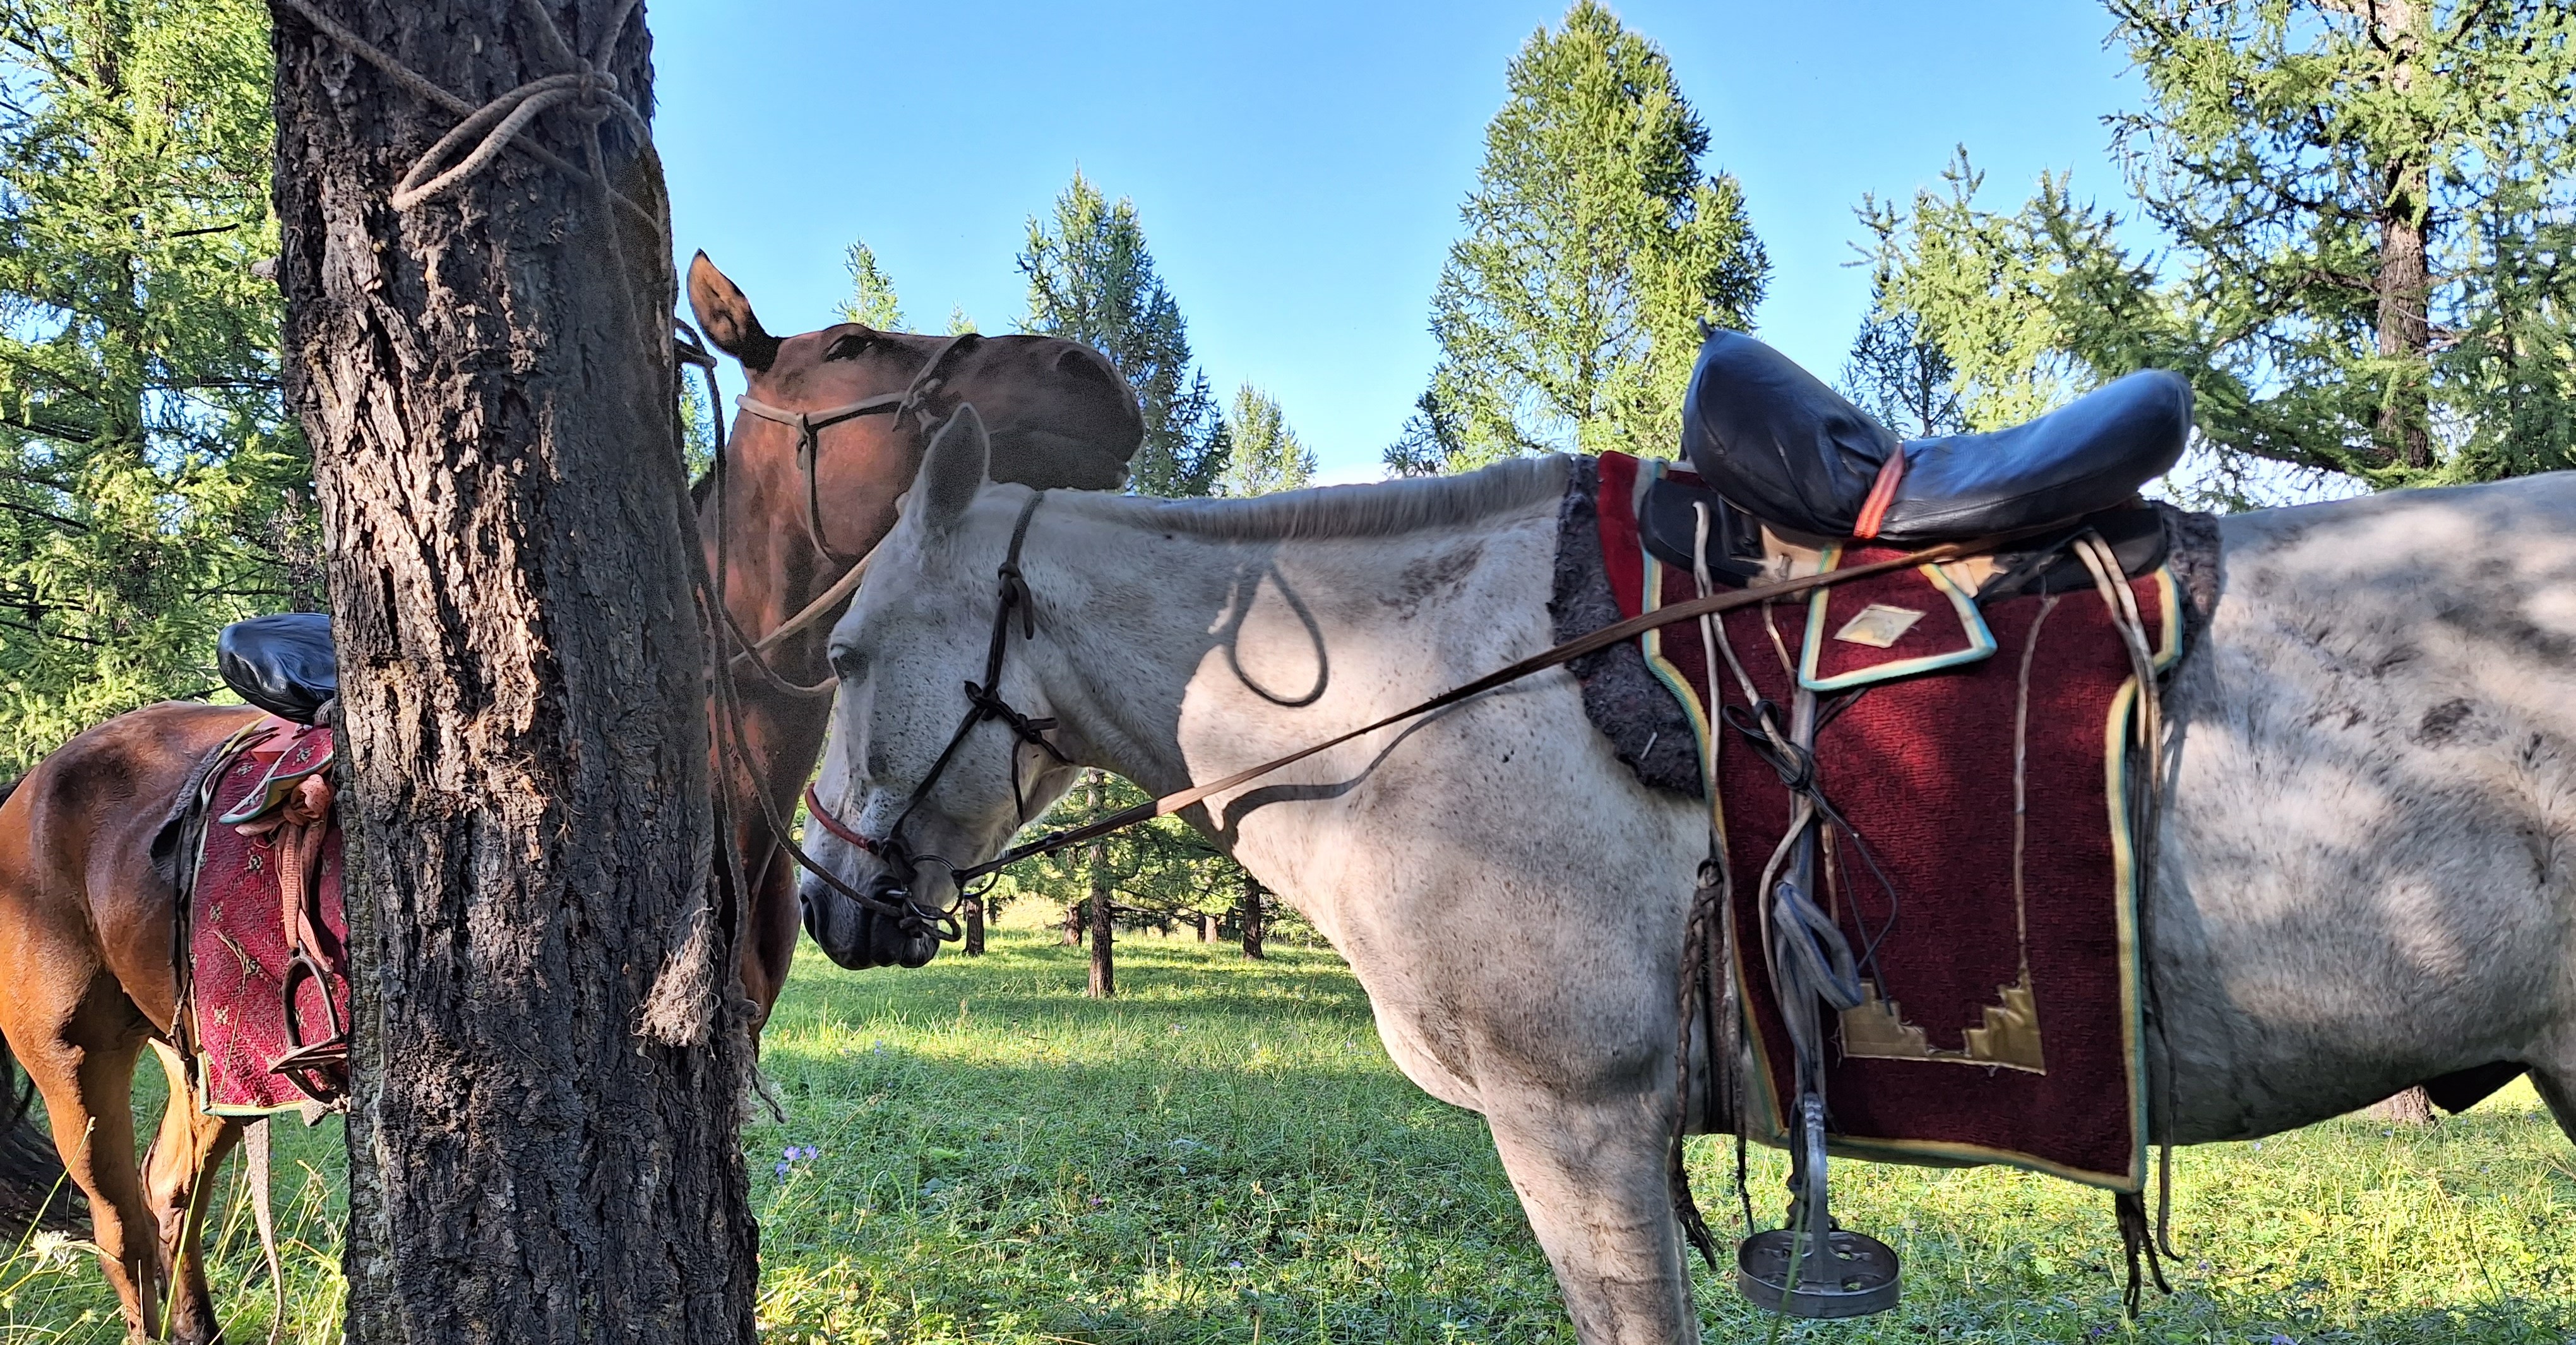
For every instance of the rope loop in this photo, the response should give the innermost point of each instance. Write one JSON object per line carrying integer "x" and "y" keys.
{"x": 588, "y": 89}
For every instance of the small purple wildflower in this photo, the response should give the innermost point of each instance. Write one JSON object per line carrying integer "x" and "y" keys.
{"x": 2279, "y": 1339}
{"x": 782, "y": 1169}
{"x": 1234, "y": 1265}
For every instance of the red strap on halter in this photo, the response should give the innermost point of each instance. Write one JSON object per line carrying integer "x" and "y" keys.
{"x": 1882, "y": 493}
{"x": 836, "y": 826}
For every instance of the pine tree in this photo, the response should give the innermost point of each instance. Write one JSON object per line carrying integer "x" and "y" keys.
{"x": 2364, "y": 219}
{"x": 1267, "y": 455}
{"x": 1092, "y": 279}
{"x": 152, "y": 486}
{"x": 1429, "y": 441}
{"x": 872, "y": 302}
{"x": 1901, "y": 378}
{"x": 1568, "y": 316}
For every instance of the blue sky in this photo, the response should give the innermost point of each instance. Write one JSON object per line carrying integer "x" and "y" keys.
{"x": 1298, "y": 168}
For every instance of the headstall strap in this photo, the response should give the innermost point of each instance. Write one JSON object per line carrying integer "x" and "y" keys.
{"x": 809, "y": 425}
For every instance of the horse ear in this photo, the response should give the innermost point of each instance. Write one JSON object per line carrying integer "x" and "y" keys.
{"x": 726, "y": 317}
{"x": 953, "y": 468}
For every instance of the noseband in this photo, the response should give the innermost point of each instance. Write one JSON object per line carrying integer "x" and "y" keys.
{"x": 983, "y": 703}
{"x": 809, "y": 425}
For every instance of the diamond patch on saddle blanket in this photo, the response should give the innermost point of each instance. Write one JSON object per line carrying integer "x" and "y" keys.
{"x": 1996, "y": 907}
{"x": 239, "y": 952}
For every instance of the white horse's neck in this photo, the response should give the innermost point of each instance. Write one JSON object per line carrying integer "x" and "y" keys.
{"x": 1184, "y": 640}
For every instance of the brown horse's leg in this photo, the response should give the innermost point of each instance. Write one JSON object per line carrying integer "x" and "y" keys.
{"x": 774, "y": 921}
{"x": 83, "y": 1064}
{"x": 178, "y": 1183}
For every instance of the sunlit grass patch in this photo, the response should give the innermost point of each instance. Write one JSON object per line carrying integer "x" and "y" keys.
{"x": 977, "y": 1151}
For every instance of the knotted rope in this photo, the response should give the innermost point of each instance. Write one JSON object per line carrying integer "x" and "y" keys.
{"x": 495, "y": 126}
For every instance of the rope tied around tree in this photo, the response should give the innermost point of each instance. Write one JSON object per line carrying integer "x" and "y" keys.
{"x": 587, "y": 87}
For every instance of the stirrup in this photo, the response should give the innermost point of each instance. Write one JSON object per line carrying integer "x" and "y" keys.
{"x": 1813, "y": 1267}
{"x": 1838, "y": 1273}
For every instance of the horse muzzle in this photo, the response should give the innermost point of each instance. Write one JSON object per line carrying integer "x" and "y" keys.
{"x": 857, "y": 937}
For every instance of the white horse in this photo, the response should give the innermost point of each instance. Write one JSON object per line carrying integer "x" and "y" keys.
{"x": 2364, "y": 875}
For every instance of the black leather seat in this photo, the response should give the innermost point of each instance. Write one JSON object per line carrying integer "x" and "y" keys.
{"x": 284, "y": 664}
{"x": 1792, "y": 452}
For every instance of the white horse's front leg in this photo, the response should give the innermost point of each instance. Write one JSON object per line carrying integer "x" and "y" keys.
{"x": 1591, "y": 1178}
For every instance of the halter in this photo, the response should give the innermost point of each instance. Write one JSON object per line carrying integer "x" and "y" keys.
{"x": 983, "y": 702}
{"x": 809, "y": 425}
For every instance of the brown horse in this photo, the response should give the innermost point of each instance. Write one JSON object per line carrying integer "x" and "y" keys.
{"x": 1058, "y": 415}
{"x": 86, "y": 927}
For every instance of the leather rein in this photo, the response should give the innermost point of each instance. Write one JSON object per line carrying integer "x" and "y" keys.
{"x": 985, "y": 703}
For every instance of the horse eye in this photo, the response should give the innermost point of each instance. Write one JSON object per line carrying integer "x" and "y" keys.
{"x": 846, "y": 346}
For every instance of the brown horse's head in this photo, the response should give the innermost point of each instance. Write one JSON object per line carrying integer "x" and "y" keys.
{"x": 1058, "y": 413}
{"x": 1058, "y": 416}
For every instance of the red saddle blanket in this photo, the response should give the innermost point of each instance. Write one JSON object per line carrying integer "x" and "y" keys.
{"x": 260, "y": 827}
{"x": 1996, "y": 904}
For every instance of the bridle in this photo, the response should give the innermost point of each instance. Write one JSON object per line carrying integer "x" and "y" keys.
{"x": 809, "y": 427}
{"x": 984, "y": 703}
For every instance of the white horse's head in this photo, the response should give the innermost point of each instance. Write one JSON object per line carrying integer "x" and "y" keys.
{"x": 921, "y": 778}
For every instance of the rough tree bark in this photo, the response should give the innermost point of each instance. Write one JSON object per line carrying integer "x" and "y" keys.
{"x": 973, "y": 910}
{"x": 2413, "y": 1107}
{"x": 549, "y": 1061}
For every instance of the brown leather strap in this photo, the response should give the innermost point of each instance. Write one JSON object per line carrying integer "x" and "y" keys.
{"x": 809, "y": 425}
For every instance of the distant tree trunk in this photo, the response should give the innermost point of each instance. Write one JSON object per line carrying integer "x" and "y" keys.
{"x": 550, "y": 1052}
{"x": 974, "y": 910}
{"x": 2405, "y": 283}
{"x": 1104, "y": 975}
{"x": 1249, "y": 917}
{"x": 1075, "y": 912}
{"x": 2413, "y": 1107}
{"x": 1207, "y": 926}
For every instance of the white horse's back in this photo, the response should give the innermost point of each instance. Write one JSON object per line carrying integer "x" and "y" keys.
{"x": 2372, "y": 809}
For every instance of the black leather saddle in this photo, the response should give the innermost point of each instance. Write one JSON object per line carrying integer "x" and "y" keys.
{"x": 1793, "y": 453}
{"x": 283, "y": 664}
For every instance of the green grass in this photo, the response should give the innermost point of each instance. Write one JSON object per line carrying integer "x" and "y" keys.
{"x": 1225, "y": 1153}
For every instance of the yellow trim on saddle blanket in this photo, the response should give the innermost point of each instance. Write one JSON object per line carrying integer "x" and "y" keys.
{"x": 1651, "y": 598}
{"x": 1972, "y": 623}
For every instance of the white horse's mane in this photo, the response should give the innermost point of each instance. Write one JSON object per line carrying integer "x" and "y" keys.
{"x": 1382, "y": 509}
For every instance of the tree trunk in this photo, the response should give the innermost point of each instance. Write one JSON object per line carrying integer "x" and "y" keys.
{"x": 1207, "y": 927}
{"x": 1249, "y": 918}
{"x": 2404, "y": 431}
{"x": 550, "y": 1055}
{"x": 1104, "y": 973}
{"x": 974, "y": 910}
{"x": 2413, "y": 1107}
